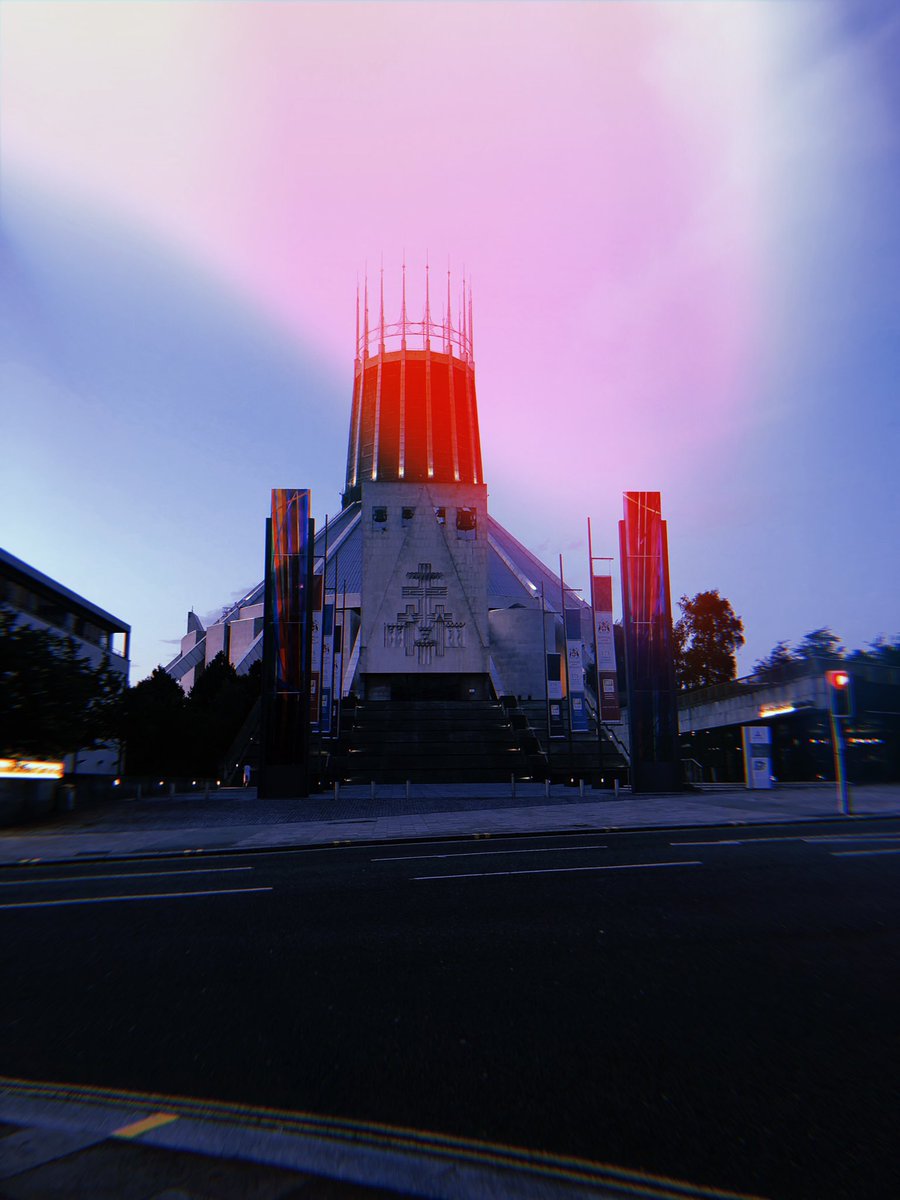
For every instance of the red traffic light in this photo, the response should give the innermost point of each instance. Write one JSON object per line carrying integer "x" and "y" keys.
{"x": 840, "y": 693}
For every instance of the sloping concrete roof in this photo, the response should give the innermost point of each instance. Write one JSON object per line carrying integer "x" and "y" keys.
{"x": 515, "y": 577}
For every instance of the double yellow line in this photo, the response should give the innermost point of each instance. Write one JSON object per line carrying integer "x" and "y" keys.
{"x": 448, "y": 1148}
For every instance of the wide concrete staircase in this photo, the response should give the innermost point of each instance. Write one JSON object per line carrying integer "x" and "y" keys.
{"x": 435, "y": 741}
{"x": 580, "y": 756}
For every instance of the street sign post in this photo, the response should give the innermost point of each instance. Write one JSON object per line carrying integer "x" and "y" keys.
{"x": 757, "y": 743}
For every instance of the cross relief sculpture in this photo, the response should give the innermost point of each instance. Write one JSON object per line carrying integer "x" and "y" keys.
{"x": 425, "y": 628}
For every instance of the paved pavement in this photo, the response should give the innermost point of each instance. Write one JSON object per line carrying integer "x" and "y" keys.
{"x": 234, "y": 819}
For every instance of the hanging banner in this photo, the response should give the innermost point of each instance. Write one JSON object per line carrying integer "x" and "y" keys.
{"x": 557, "y": 725}
{"x": 317, "y": 673}
{"x": 554, "y": 676}
{"x": 575, "y": 669}
{"x": 605, "y": 646}
{"x": 337, "y": 666}
{"x": 554, "y": 695}
{"x": 327, "y": 666}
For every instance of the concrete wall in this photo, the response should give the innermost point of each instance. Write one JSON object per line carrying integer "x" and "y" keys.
{"x": 394, "y": 547}
{"x": 517, "y": 649}
{"x": 751, "y": 703}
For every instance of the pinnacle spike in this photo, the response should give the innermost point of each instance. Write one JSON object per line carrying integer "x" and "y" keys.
{"x": 471, "y": 323}
{"x": 381, "y": 335}
{"x": 427, "y": 304}
{"x": 403, "y": 307}
{"x": 365, "y": 353}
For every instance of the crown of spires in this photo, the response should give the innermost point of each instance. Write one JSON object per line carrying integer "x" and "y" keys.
{"x": 455, "y": 340}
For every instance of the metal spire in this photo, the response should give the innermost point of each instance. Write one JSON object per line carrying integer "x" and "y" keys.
{"x": 356, "y": 344}
{"x": 381, "y": 335}
{"x": 449, "y": 315}
{"x": 427, "y": 305}
{"x": 462, "y": 309}
{"x": 366, "y": 314}
{"x": 403, "y": 307}
{"x": 471, "y": 323}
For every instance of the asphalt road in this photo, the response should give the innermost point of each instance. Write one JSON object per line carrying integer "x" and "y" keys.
{"x": 714, "y": 1005}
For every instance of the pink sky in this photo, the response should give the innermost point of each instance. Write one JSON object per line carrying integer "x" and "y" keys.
{"x": 616, "y": 178}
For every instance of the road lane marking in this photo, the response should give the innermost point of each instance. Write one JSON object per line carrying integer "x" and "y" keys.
{"x": 138, "y": 1127}
{"x": 855, "y": 837}
{"x": 131, "y": 875}
{"x": 722, "y": 843}
{"x": 561, "y": 870}
{"x": 819, "y": 837}
{"x": 862, "y": 853}
{"x": 144, "y": 896}
{"x": 479, "y": 853}
{"x": 428, "y": 1146}
{"x": 740, "y": 841}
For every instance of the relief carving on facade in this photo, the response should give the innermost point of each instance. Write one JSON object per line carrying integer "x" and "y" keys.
{"x": 425, "y": 629}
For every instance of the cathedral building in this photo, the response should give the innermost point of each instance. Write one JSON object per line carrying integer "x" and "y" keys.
{"x": 436, "y": 599}
{"x": 433, "y": 612}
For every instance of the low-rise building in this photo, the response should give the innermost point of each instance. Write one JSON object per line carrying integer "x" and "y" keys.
{"x": 36, "y": 600}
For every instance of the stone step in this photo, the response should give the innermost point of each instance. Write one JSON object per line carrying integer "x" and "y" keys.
{"x": 435, "y": 741}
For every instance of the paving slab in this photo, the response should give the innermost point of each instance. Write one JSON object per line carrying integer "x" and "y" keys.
{"x": 225, "y": 822}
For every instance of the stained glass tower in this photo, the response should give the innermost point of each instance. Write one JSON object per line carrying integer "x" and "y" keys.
{"x": 649, "y": 651}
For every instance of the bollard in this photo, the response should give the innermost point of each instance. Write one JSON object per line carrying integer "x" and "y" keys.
{"x": 372, "y": 790}
{"x": 547, "y": 788}
{"x": 337, "y": 790}
{"x": 171, "y": 790}
{"x": 139, "y": 792}
{"x": 407, "y": 791}
{"x": 581, "y": 788}
{"x": 512, "y": 784}
{"x": 205, "y": 789}
{"x": 616, "y": 787}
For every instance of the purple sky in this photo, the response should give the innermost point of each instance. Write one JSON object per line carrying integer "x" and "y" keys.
{"x": 681, "y": 224}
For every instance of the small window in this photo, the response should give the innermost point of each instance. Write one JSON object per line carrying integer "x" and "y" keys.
{"x": 407, "y": 514}
{"x": 466, "y": 520}
{"x": 440, "y": 515}
{"x": 379, "y": 515}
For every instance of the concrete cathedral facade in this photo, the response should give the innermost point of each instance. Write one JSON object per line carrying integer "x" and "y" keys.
{"x": 436, "y": 600}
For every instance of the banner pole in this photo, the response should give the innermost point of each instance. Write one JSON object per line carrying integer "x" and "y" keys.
{"x": 546, "y": 681}
{"x": 597, "y": 688}
{"x": 562, "y": 592}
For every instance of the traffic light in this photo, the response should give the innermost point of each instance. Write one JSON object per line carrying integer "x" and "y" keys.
{"x": 840, "y": 696}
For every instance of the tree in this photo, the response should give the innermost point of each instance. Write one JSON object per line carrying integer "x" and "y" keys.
{"x": 52, "y": 700}
{"x": 881, "y": 651}
{"x": 776, "y": 661}
{"x": 170, "y": 735}
{"x": 707, "y": 635}
{"x": 820, "y": 644}
{"x": 154, "y": 727}
{"x": 217, "y": 707}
